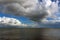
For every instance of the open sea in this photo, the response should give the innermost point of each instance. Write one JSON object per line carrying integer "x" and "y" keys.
{"x": 29, "y": 34}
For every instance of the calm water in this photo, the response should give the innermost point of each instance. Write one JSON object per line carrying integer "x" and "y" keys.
{"x": 29, "y": 34}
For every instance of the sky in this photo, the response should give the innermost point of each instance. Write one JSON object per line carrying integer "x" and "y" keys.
{"x": 20, "y": 18}
{"x": 46, "y": 13}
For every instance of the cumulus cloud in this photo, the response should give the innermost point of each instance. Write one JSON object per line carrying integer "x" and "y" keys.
{"x": 31, "y": 9}
{"x": 6, "y": 21}
{"x": 51, "y": 21}
{"x": 49, "y": 24}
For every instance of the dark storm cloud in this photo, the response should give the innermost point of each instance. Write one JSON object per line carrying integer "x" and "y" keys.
{"x": 29, "y": 8}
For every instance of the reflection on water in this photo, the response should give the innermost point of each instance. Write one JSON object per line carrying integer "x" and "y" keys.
{"x": 29, "y": 34}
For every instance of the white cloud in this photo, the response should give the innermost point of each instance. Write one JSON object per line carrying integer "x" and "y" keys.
{"x": 11, "y": 21}
{"x": 51, "y": 21}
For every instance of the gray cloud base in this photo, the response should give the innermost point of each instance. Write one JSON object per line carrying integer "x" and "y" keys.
{"x": 28, "y": 8}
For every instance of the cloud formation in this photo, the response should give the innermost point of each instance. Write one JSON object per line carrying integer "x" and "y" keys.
{"x": 31, "y": 9}
{"x": 49, "y": 24}
{"x": 6, "y": 21}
